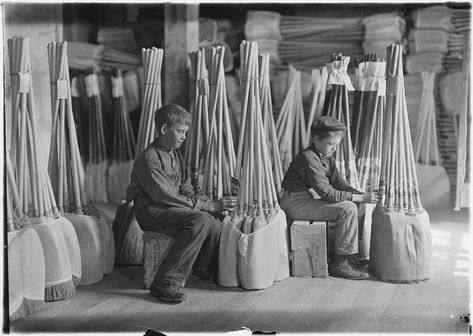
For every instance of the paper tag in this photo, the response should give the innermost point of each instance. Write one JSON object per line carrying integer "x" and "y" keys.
{"x": 92, "y": 85}
{"x": 117, "y": 87}
{"x": 24, "y": 82}
{"x": 75, "y": 88}
{"x": 338, "y": 73}
{"x": 61, "y": 85}
{"x": 381, "y": 87}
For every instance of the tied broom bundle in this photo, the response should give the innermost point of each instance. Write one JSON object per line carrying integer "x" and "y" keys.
{"x": 268, "y": 122}
{"x": 26, "y": 268}
{"x": 199, "y": 132}
{"x": 290, "y": 125}
{"x": 253, "y": 245}
{"x": 318, "y": 79}
{"x": 96, "y": 167}
{"x": 67, "y": 173}
{"x": 152, "y": 63}
{"x": 400, "y": 237}
{"x": 220, "y": 156}
{"x": 336, "y": 105}
{"x": 35, "y": 193}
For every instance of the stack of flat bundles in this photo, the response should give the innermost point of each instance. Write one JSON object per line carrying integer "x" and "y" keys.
{"x": 428, "y": 40}
{"x": 67, "y": 174}
{"x": 308, "y": 41}
{"x": 290, "y": 125}
{"x": 26, "y": 268}
{"x": 97, "y": 165}
{"x": 400, "y": 236}
{"x": 207, "y": 30}
{"x": 123, "y": 144}
{"x": 263, "y": 27}
{"x": 118, "y": 38}
{"x": 220, "y": 156}
{"x": 336, "y": 105}
{"x": 253, "y": 248}
{"x": 198, "y": 135}
{"x": 433, "y": 17}
{"x": 83, "y": 56}
{"x": 317, "y": 97}
{"x": 35, "y": 194}
{"x": 381, "y": 30}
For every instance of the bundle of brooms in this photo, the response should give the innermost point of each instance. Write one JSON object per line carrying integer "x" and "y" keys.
{"x": 68, "y": 178}
{"x": 400, "y": 237}
{"x": 253, "y": 245}
{"x": 290, "y": 125}
{"x": 198, "y": 135}
{"x": 336, "y": 105}
{"x": 26, "y": 268}
{"x": 35, "y": 193}
{"x": 317, "y": 97}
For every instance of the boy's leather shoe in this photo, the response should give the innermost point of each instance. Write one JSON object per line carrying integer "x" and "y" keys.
{"x": 343, "y": 269}
{"x": 167, "y": 294}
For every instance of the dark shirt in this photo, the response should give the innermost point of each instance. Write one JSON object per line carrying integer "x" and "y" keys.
{"x": 160, "y": 178}
{"x": 310, "y": 169}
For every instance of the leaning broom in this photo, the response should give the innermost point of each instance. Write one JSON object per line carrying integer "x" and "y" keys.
{"x": 253, "y": 244}
{"x": 67, "y": 175}
{"x": 400, "y": 238}
{"x": 126, "y": 231}
{"x": 35, "y": 194}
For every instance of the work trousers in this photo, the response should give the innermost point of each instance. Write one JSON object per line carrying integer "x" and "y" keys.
{"x": 344, "y": 215}
{"x": 196, "y": 235}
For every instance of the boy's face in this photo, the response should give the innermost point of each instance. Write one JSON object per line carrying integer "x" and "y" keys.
{"x": 328, "y": 145}
{"x": 174, "y": 136}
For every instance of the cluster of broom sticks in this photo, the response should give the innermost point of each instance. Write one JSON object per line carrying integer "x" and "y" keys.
{"x": 35, "y": 194}
{"x": 425, "y": 143}
{"x": 290, "y": 125}
{"x": 336, "y": 105}
{"x": 398, "y": 182}
{"x": 198, "y": 134}
{"x": 257, "y": 196}
{"x": 220, "y": 156}
{"x": 97, "y": 146}
{"x": 123, "y": 134}
{"x": 318, "y": 79}
{"x": 151, "y": 100}
{"x": 65, "y": 165}
{"x": 461, "y": 19}
{"x": 370, "y": 138}
{"x": 12, "y": 197}
{"x": 268, "y": 121}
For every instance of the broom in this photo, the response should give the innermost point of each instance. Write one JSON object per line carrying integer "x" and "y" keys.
{"x": 319, "y": 83}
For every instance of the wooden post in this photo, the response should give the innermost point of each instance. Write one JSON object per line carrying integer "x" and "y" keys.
{"x": 181, "y": 36}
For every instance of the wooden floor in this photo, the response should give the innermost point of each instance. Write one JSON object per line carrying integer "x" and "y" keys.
{"x": 119, "y": 304}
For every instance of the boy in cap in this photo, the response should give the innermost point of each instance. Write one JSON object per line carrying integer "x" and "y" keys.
{"x": 164, "y": 202}
{"x": 314, "y": 190}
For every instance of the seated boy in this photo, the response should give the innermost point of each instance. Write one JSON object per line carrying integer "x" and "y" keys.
{"x": 314, "y": 190}
{"x": 164, "y": 202}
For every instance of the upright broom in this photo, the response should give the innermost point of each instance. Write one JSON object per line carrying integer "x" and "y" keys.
{"x": 319, "y": 82}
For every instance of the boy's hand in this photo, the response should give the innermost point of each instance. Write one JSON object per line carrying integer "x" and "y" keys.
{"x": 372, "y": 197}
{"x": 223, "y": 204}
{"x": 313, "y": 193}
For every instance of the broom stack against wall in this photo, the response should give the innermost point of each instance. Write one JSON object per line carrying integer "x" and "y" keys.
{"x": 220, "y": 156}
{"x": 198, "y": 135}
{"x": 68, "y": 177}
{"x": 336, "y": 105}
{"x": 253, "y": 245}
{"x": 35, "y": 193}
{"x": 399, "y": 218}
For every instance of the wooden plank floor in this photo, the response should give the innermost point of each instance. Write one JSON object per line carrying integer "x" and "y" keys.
{"x": 119, "y": 304}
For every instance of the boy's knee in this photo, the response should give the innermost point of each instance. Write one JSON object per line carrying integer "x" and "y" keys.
{"x": 350, "y": 208}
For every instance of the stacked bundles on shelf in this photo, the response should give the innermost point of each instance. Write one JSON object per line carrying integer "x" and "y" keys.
{"x": 35, "y": 193}
{"x": 67, "y": 175}
{"x": 97, "y": 165}
{"x": 263, "y": 27}
{"x": 198, "y": 135}
{"x": 268, "y": 121}
{"x": 290, "y": 125}
{"x": 220, "y": 153}
{"x": 308, "y": 41}
{"x": 400, "y": 237}
{"x": 123, "y": 144}
{"x": 428, "y": 40}
{"x": 253, "y": 243}
{"x": 26, "y": 267}
{"x": 118, "y": 38}
{"x": 380, "y": 30}
{"x": 336, "y": 105}
{"x": 317, "y": 97}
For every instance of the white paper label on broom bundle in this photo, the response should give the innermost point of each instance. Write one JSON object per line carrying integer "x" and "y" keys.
{"x": 117, "y": 87}
{"x": 24, "y": 82}
{"x": 340, "y": 77}
{"x": 75, "y": 88}
{"x": 381, "y": 91}
{"x": 61, "y": 86}
{"x": 92, "y": 85}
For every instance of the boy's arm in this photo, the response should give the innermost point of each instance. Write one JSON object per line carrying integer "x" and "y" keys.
{"x": 338, "y": 182}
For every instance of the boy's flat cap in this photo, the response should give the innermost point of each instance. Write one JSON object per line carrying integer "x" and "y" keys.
{"x": 327, "y": 124}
